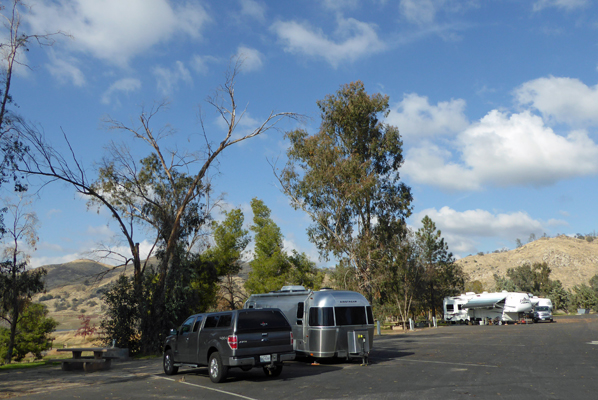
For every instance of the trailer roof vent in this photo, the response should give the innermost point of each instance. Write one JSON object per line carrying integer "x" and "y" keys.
{"x": 293, "y": 289}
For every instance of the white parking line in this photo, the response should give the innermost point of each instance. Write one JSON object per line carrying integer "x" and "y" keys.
{"x": 449, "y": 363}
{"x": 208, "y": 388}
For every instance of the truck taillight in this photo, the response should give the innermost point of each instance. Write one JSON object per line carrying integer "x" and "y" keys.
{"x": 232, "y": 342}
{"x": 291, "y": 337}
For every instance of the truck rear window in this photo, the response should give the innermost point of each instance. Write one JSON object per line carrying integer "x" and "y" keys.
{"x": 257, "y": 320}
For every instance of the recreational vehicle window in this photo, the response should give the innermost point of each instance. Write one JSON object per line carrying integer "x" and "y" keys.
{"x": 370, "y": 315}
{"x": 321, "y": 316}
{"x": 350, "y": 316}
{"x": 300, "y": 309}
{"x": 450, "y": 308}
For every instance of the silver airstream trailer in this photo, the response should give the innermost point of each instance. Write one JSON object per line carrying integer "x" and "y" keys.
{"x": 326, "y": 323}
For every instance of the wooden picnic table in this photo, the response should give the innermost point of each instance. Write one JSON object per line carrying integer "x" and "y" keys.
{"x": 101, "y": 359}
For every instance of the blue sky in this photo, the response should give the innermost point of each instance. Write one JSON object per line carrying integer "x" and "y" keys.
{"x": 496, "y": 101}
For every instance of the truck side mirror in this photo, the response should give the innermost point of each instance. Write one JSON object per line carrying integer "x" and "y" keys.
{"x": 173, "y": 332}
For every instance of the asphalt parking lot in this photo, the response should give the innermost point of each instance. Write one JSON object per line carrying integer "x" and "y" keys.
{"x": 537, "y": 361}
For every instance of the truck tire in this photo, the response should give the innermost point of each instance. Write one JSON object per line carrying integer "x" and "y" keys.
{"x": 216, "y": 369}
{"x": 168, "y": 362}
{"x": 273, "y": 372}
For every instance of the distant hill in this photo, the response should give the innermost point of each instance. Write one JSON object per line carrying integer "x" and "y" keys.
{"x": 74, "y": 272}
{"x": 572, "y": 261}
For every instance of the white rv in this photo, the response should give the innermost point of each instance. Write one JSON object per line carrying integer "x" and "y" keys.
{"x": 500, "y": 306}
{"x": 326, "y": 323}
{"x": 453, "y": 308}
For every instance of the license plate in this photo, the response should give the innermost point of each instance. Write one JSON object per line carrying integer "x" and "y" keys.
{"x": 265, "y": 358}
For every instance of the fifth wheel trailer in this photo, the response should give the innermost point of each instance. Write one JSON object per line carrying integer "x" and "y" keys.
{"x": 502, "y": 306}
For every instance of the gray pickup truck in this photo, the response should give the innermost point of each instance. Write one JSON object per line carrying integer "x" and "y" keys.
{"x": 239, "y": 338}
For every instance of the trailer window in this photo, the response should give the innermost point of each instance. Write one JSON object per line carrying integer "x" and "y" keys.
{"x": 370, "y": 315}
{"x": 350, "y": 315}
{"x": 321, "y": 316}
{"x": 300, "y": 309}
{"x": 450, "y": 308}
{"x": 460, "y": 307}
{"x": 257, "y": 321}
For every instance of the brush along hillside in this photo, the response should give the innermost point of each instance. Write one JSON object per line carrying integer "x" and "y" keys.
{"x": 572, "y": 261}
{"x": 76, "y": 288}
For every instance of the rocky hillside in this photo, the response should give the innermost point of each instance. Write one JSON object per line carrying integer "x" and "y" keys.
{"x": 573, "y": 261}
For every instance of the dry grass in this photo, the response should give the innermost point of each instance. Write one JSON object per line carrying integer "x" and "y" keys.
{"x": 572, "y": 261}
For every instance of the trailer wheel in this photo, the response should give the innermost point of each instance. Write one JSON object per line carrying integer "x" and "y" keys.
{"x": 273, "y": 372}
{"x": 216, "y": 368}
{"x": 168, "y": 362}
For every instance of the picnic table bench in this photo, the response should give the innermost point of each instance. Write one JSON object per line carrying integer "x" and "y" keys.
{"x": 101, "y": 359}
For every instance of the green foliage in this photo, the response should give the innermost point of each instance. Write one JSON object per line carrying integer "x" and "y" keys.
{"x": 269, "y": 267}
{"x": 560, "y": 297}
{"x": 231, "y": 240}
{"x": 474, "y": 286}
{"x": 346, "y": 178}
{"x": 525, "y": 278}
{"x": 121, "y": 321}
{"x": 441, "y": 275}
{"x": 584, "y": 296}
{"x": 304, "y": 272}
{"x": 503, "y": 283}
{"x": 33, "y": 329}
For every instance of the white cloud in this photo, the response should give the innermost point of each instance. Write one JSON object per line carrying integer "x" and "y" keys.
{"x": 200, "y": 63}
{"x": 253, "y": 9}
{"x": 65, "y": 70}
{"x": 168, "y": 78}
{"x": 565, "y": 100}
{"x": 416, "y": 118}
{"x": 125, "y": 85}
{"x": 353, "y": 40}
{"x": 114, "y": 30}
{"x": 504, "y": 150}
{"x": 252, "y": 58}
{"x": 567, "y": 5}
{"x": 420, "y": 12}
{"x": 459, "y": 227}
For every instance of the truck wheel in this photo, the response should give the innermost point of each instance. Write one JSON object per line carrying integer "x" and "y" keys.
{"x": 273, "y": 372}
{"x": 217, "y": 369}
{"x": 169, "y": 368}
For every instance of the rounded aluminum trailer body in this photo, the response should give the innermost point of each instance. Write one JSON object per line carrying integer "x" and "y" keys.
{"x": 333, "y": 334}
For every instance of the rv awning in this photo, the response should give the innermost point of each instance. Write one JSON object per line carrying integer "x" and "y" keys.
{"x": 485, "y": 301}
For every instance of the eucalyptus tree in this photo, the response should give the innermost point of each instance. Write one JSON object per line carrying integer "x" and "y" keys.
{"x": 346, "y": 177}
{"x": 165, "y": 191}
